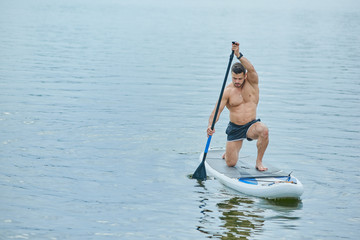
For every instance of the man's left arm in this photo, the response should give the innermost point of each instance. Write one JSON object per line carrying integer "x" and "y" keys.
{"x": 252, "y": 75}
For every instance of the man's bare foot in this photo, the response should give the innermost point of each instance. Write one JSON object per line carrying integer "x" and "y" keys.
{"x": 260, "y": 167}
{"x": 223, "y": 157}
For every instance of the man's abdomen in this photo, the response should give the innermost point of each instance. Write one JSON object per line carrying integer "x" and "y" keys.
{"x": 243, "y": 113}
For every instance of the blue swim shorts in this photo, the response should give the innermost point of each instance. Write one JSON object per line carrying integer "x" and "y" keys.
{"x": 238, "y": 132}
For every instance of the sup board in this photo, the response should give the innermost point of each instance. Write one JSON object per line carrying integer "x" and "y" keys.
{"x": 272, "y": 183}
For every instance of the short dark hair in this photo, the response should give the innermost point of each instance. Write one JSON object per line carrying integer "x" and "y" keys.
{"x": 238, "y": 68}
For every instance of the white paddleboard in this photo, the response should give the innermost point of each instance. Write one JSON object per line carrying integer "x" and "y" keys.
{"x": 272, "y": 184}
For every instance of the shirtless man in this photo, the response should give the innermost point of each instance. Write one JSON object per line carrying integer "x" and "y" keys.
{"x": 241, "y": 97}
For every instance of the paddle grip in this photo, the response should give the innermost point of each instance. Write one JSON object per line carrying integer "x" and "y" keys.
{"x": 207, "y": 144}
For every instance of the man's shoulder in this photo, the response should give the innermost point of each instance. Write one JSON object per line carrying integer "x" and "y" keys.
{"x": 229, "y": 88}
{"x": 227, "y": 92}
{"x": 253, "y": 78}
{"x": 252, "y": 85}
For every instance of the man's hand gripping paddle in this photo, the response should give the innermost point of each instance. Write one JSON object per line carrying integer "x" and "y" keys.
{"x": 200, "y": 172}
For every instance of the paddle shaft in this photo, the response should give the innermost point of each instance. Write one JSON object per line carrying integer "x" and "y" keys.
{"x": 218, "y": 104}
{"x": 200, "y": 172}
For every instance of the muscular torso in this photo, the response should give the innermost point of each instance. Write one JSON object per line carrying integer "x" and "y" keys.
{"x": 242, "y": 102}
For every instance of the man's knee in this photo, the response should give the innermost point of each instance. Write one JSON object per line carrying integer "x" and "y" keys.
{"x": 232, "y": 152}
{"x": 264, "y": 132}
{"x": 231, "y": 163}
{"x": 231, "y": 159}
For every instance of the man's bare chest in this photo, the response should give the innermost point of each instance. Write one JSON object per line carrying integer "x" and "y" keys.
{"x": 237, "y": 98}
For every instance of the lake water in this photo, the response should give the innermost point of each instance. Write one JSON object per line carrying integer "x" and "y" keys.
{"x": 104, "y": 107}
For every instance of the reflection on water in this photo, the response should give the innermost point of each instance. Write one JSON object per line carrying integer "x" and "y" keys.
{"x": 285, "y": 203}
{"x": 234, "y": 216}
{"x": 239, "y": 218}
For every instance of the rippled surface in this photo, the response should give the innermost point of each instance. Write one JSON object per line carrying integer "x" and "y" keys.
{"x": 104, "y": 105}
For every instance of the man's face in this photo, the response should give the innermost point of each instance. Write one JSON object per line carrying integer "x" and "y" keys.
{"x": 238, "y": 79}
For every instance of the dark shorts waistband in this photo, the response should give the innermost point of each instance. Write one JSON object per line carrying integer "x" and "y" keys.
{"x": 238, "y": 132}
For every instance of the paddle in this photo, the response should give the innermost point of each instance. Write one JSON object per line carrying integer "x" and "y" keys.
{"x": 200, "y": 172}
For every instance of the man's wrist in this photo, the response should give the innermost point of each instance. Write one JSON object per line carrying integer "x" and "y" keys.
{"x": 240, "y": 56}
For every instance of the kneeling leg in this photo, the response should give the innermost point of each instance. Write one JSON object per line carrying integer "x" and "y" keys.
{"x": 232, "y": 152}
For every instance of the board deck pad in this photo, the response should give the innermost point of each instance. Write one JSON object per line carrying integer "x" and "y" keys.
{"x": 245, "y": 167}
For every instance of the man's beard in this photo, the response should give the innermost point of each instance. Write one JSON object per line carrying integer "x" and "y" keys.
{"x": 238, "y": 85}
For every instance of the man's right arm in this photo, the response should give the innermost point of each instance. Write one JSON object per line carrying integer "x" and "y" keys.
{"x": 223, "y": 103}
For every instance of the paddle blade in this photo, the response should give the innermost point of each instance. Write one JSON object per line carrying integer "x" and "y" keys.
{"x": 200, "y": 172}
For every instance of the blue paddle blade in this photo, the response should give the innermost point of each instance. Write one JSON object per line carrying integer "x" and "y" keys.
{"x": 200, "y": 172}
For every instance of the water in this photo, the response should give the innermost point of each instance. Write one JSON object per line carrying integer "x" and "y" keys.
{"x": 104, "y": 106}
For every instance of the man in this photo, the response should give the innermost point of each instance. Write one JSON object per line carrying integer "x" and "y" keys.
{"x": 241, "y": 97}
